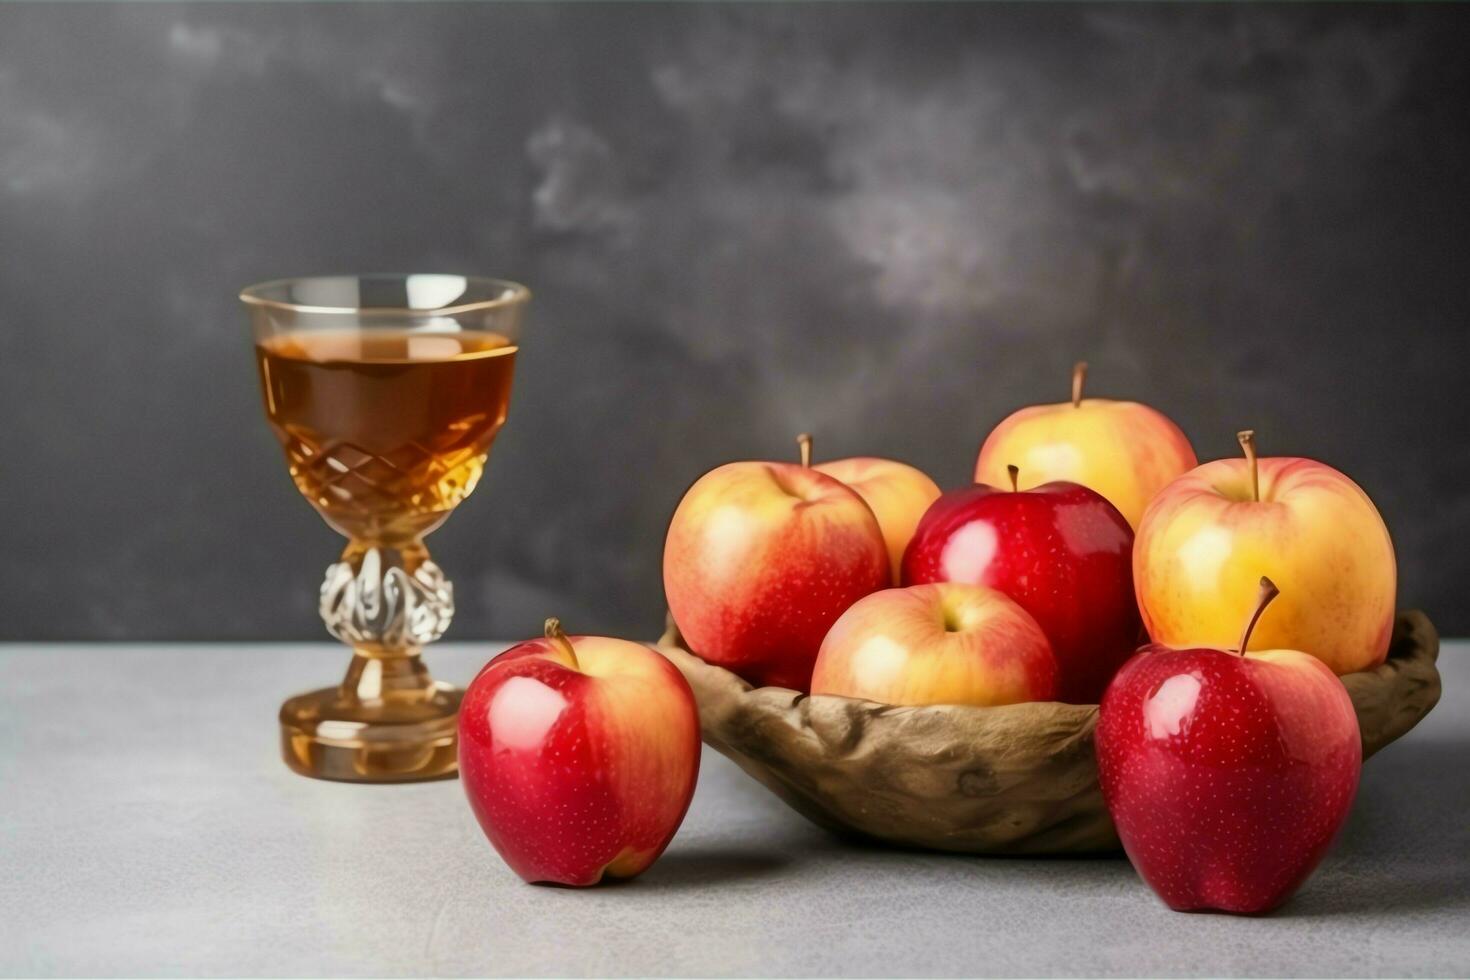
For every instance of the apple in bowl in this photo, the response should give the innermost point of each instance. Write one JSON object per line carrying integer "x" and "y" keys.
{"x": 579, "y": 756}
{"x": 1210, "y": 535}
{"x": 897, "y": 493}
{"x": 1227, "y": 774}
{"x": 1059, "y": 550}
{"x": 944, "y": 643}
{"x": 760, "y": 560}
{"x": 1126, "y": 451}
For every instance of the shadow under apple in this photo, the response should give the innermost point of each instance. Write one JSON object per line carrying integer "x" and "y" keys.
{"x": 1406, "y": 848}
{"x": 697, "y": 867}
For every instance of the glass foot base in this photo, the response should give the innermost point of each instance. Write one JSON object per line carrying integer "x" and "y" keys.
{"x": 333, "y": 734}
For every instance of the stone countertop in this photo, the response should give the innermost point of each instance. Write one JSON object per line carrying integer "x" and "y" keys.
{"x": 148, "y": 827}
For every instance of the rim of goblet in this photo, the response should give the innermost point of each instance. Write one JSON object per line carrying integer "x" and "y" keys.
{"x": 512, "y": 294}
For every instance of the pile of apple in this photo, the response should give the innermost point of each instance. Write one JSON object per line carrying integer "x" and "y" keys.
{"x": 1090, "y": 530}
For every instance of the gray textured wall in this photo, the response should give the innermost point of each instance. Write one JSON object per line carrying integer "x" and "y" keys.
{"x": 890, "y": 225}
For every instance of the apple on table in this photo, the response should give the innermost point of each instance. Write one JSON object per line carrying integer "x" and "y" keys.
{"x": 579, "y": 756}
{"x": 1060, "y": 550}
{"x": 1228, "y": 774}
{"x": 945, "y": 643}
{"x": 1209, "y": 536}
{"x": 1126, "y": 451}
{"x": 760, "y": 560}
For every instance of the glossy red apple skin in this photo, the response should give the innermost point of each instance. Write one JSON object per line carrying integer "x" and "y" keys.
{"x": 577, "y": 773}
{"x": 1061, "y": 551}
{"x": 1227, "y": 777}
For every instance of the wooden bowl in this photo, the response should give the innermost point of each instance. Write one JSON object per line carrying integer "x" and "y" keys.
{"x": 1019, "y": 779}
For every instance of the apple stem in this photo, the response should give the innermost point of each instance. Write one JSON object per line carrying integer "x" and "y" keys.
{"x": 1015, "y": 474}
{"x": 804, "y": 443}
{"x": 1079, "y": 378}
{"x": 1268, "y": 592}
{"x": 558, "y": 638}
{"x": 1247, "y": 440}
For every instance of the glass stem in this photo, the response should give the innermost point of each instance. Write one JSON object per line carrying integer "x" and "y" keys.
{"x": 390, "y": 678}
{"x": 386, "y": 600}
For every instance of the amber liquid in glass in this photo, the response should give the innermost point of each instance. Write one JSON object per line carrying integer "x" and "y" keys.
{"x": 386, "y": 431}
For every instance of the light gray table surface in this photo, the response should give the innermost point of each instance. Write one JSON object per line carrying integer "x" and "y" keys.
{"x": 147, "y": 826}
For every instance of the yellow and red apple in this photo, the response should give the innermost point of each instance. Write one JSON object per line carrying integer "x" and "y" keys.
{"x": 1125, "y": 451}
{"x": 1209, "y": 536}
{"x": 944, "y": 643}
{"x": 579, "y": 756}
{"x": 761, "y": 559}
{"x": 897, "y": 493}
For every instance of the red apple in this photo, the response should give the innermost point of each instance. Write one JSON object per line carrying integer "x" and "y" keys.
{"x": 579, "y": 756}
{"x": 761, "y": 559}
{"x": 937, "y": 644}
{"x": 1228, "y": 776}
{"x": 1060, "y": 550}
